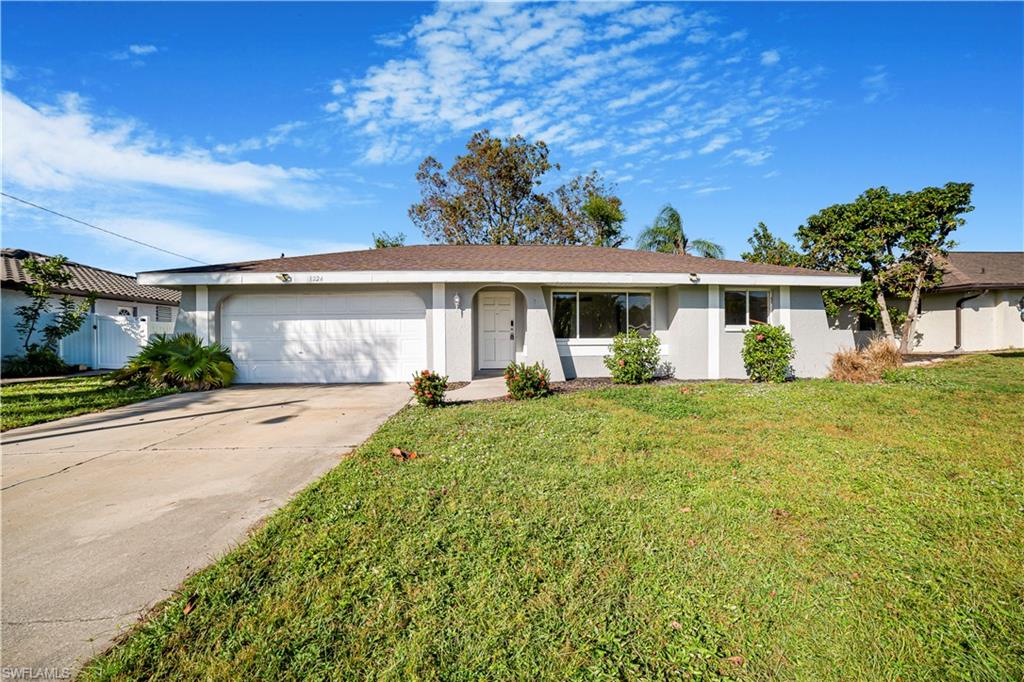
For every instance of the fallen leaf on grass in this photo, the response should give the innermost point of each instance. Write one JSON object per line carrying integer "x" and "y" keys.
{"x": 686, "y": 510}
{"x": 736, "y": 660}
{"x": 189, "y": 605}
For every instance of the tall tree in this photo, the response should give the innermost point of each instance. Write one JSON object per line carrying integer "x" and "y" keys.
{"x": 47, "y": 275}
{"x": 666, "y": 235}
{"x": 385, "y": 240}
{"x": 586, "y": 211}
{"x": 892, "y": 240}
{"x": 767, "y": 248}
{"x": 492, "y": 195}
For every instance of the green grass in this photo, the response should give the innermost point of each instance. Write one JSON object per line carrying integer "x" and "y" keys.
{"x": 43, "y": 401}
{"x": 820, "y": 531}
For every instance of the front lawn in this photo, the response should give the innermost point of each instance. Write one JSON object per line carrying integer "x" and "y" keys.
{"x": 810, "y": 530}
{"x": 34, "y": 402}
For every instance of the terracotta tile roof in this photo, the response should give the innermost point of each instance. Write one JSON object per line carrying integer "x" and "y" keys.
{"x": 85, "y": 279}
{"x": 532, "y": 258}
{"x": 983, "y": 270}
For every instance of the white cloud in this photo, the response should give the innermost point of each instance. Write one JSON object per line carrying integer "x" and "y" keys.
{"x": 332, "y": 107}
{"x": 135, "y": 52}
{"x": 8, "y": 72}
{"x": 574, "y": 74}
{"x": 68, "y": 148}
{"x": 716, "y": 143}
{"x": 337, "y": 87}
{"x": 875, "y": 85}
{"x": 711, "y": 190}
{"x": 770, "y": 57}
{"x": 750, "y": 157}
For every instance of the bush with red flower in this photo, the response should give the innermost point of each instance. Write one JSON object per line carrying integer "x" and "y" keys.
{"x": 429, "y": 388}
{"x": 767, "y": 352}
{"x": 634, "y": 359}
{"x": 527, "y": 381}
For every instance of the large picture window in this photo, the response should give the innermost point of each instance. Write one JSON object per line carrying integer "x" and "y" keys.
{"x": 745, "y": 308}
{"x": 600, "y": 314}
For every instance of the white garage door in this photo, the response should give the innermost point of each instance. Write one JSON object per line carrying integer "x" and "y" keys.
{"x": 326, "y": 338}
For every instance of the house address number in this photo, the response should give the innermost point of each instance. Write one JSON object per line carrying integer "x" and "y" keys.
{"x": 315, "y": 278}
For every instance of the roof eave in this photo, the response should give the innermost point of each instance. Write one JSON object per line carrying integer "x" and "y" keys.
{"x": 829, "y": 280}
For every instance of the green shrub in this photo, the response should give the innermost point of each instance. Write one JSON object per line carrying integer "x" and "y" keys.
{"x": 38, "y": 361}
{"x": 429, "y": 388}
{"x": 181, "y": 361}
{"x": 527, "y": 381}
{"x": 634, "y": 359}
{"x": 767, "y": 352}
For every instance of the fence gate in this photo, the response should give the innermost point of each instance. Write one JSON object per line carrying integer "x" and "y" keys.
{"x": 105, "y": 341}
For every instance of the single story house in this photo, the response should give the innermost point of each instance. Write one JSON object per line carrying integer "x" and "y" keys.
{"x": 979, "y": 306}
{"x": 123, "y": 314}
{"x": 380, "y": 315}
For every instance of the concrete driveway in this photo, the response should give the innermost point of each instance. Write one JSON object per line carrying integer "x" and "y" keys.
{"x": 105, "y": 514}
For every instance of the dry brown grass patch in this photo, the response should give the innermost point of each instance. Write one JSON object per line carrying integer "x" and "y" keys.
{"x": 867, "y": 365}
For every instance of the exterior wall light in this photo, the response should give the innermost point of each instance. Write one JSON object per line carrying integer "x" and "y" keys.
{"x": 457, "y": 301}
{"x": 694, "y": 277}
{"x": 284, "y": 277}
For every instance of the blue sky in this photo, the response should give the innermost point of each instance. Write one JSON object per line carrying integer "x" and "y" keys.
{"x": 236, "y": 131}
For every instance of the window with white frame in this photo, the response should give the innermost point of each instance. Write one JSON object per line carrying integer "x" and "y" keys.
{"x": 600, "y": 314}
{"x": 164, "y": 313}
{"x": 747, "y": 307}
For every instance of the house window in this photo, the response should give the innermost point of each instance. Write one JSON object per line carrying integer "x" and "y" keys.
{"x": 747, "y": 307}
{"x": 124, "y": 312}
{"x": 600, "y": 314}
{"x": 865, "y": 323}
{"x": 164, "y": 313}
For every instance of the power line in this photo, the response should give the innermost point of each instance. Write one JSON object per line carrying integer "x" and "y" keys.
{"x": 101, "y": 229}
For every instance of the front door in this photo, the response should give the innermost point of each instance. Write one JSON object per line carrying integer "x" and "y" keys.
{"x": 497, "y": 329}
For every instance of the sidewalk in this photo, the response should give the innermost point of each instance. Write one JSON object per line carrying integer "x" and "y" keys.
{"x": 26, "y": 380}
{"x": 486, "y": 388}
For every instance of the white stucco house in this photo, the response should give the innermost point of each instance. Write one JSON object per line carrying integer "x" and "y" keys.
{"x": 123, "y": 315}
{"x": 380, "y": 315}
{"x": 978, "y": 306}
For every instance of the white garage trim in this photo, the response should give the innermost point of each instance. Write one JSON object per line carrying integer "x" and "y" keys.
{"x": 438, "y": 322}
{"x": 325, "y": 338}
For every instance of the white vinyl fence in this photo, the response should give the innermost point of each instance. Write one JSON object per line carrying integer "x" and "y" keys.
{"x": 105, "y": 341}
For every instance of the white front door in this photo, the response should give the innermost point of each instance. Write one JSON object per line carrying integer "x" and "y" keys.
{"x": 497, "y": 329}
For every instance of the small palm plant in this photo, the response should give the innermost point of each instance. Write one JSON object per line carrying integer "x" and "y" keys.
{"x": 181, "y": 361}
{"x": 666, "y": 235}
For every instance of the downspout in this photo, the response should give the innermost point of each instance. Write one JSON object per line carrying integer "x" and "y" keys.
{"x": 959, "y": 312}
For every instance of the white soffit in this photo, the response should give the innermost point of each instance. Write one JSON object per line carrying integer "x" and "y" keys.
{"x": 496, "y": 276}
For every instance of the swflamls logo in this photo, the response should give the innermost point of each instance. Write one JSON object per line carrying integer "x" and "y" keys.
{"x": 26, "y": 673}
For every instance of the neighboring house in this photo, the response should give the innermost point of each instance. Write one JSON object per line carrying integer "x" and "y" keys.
{"x": 380, "y": 315}
{"x": 123, "y": 315}
{"x": 977, "y": 307}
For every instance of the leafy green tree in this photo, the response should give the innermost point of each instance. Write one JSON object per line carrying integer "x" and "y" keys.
{"x": 49, "y": 274}
{"x": 585, "y": 211}
{"x": 492, "y": 195}
{"x": 666, "y": 235}
{"x": 894, "y": 241}
{"x": 767, "y": 248}
{"x": 386, "y": 241}
{"x": 607, "y": 216}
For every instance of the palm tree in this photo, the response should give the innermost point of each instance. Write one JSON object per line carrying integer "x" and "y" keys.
{"x": 666, "y": 235}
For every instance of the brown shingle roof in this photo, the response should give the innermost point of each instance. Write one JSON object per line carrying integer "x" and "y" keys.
{"x": 982, "y": 270}
{"x": 86, "y": 279}
{"x": 534, "y": 258}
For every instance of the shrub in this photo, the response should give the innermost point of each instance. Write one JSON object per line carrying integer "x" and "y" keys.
{"x": 527, "y": 381}
{"x": 181, "y": 361}
{"x": 767, "y": 352}
{"x": 429, "y": 388}
{"x": 634, "y": 359}
{"x": 867, "y": 365}
{"x": 38, "y": 361}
